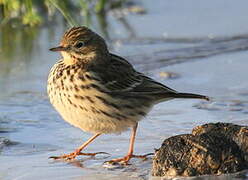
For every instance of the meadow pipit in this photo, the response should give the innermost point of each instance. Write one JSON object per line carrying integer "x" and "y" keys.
{"x": 100, "y": 92}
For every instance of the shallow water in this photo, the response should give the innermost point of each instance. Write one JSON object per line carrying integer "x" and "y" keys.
{"x": 203, "y": 42}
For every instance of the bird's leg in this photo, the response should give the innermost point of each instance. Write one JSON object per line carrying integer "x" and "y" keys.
{"x": 130, "y": 154}
{"x": 78, "y": 150}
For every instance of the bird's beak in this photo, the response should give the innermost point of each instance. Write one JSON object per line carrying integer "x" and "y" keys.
{"x": 59, "y": 48}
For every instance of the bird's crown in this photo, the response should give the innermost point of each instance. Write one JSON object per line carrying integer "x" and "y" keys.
{"x": 80, "y": 44}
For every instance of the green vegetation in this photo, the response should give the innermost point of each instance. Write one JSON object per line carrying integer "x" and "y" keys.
{"x": 37, "y": 12}
{"x": 21, "y": 21}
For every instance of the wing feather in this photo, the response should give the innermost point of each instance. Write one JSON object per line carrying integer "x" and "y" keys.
{"x": 121, "y": 77}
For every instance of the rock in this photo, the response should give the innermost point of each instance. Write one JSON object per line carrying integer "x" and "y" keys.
{"x": 239, "y": 134}
{"x": 211, "y": 149}
{"x": 5, "y": 142}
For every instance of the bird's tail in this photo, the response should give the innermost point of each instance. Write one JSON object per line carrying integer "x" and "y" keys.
{"x": 189, "y": 95}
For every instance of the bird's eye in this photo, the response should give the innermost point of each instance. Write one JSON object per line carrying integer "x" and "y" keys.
{"x": 79, "y": 45}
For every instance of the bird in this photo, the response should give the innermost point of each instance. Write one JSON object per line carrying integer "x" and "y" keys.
{"x": 100, "y": 92}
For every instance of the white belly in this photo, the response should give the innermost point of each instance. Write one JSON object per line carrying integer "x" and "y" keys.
{"x": 90, "y": 114}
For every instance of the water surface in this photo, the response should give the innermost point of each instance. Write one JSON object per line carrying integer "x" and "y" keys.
{"x": 203, "y": 42}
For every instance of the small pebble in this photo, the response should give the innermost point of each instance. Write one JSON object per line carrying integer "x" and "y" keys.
{"x": 169, "y": 75}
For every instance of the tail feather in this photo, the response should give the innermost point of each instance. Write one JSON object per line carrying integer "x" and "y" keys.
{"x": 187, "y": 95}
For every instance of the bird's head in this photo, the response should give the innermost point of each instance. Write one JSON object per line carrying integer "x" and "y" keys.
{"x": 81, "y": 45}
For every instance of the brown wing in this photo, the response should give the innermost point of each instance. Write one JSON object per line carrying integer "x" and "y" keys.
{"x": 121, "y": 77}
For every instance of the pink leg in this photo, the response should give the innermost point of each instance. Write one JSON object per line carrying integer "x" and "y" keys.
{"x": 130, "y": 154}
{"x": 78, "y": 150}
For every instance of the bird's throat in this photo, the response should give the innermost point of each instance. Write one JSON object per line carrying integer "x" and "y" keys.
{"x": 68, "y": 60}
{"x": 89, "y": 58}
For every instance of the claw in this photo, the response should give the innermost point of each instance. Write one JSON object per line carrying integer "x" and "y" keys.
{"x": 75, "y": 154}
{"x": 142, "y": 156}
{"x": 125, "y": 159}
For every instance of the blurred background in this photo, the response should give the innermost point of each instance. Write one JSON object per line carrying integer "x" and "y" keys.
{"x": 192, "y": 46}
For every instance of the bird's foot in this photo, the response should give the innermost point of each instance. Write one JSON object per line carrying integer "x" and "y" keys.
{"x": 125, "y": 159}
{"x": 73, "y": 155}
